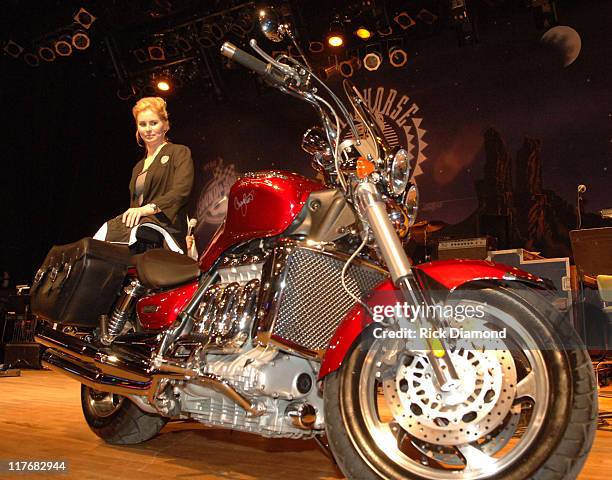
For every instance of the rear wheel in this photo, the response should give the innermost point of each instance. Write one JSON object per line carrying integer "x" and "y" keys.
{"x": 116, "y": 419}
{"x": 526, "y": 407}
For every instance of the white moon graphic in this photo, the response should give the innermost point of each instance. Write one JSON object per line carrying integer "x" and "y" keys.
{"x": 565, "y": 41}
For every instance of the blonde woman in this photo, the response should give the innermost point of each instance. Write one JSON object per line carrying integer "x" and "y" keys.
{"x": 161, "y": 181}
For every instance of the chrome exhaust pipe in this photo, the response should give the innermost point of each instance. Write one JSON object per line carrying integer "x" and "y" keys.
{"x": 123, "y": 372}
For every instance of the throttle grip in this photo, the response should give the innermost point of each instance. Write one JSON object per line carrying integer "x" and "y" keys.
{"x": 247, "y": 60}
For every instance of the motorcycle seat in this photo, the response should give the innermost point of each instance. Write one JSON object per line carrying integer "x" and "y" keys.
{"x": 160, "y": 268}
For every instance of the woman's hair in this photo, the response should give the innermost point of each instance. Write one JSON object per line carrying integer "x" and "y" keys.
{"x": 156, "y": 104}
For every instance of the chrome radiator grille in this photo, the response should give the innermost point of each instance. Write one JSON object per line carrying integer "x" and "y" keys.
{"x": 313, "y": 301}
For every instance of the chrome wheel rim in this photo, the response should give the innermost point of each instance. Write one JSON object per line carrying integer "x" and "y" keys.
{"x": 473, "y": 458}
{"x": 102, "y": 404}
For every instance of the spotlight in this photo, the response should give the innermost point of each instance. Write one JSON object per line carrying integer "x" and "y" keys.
{"x": 427, "y": 17}
{"x": 125, "y": 92}
{"x": 84, "y": 18}
{"x": 156, "y": 52}
{"x": 212, "y": 29}
{"x": 46, "y": 53}
{"x": 335, "y": 40}
{"x": 397, "y": 57}
{"x": 335, "y": 37}
{"x": 363, "y": 33}
{"x": 329, "y": 72}
{"x": 372, "y": 61}
{"x": 349, "y": 67}
{"x": 464, "y": 27}
{"x": 383, "y": 28}
{"x": 316, "y": 47}
{"x": 141, "y": 55}
{"x": 206, "y": 42}
{"x": 13, "y": 49}
{"x": 171, "y": 50}
{"x": 31, "y": 59}
{"x": 458, "y": 11}
{"x": 242, "y": 27}
{"x": 183, "y": 44}
{"x": 210, "y": 34}
{"x": 404, "y": 20}
{"x": 163, "y": 85}
{"x": 63, "y": 47}
{"x": 80, "y": 40}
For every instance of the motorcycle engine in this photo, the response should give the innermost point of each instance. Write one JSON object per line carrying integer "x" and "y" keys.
{"x": 224, "y": 320}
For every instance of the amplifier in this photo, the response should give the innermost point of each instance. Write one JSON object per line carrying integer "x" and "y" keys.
{"x": 22, "y": 355}
{"x": 472, "y": 248}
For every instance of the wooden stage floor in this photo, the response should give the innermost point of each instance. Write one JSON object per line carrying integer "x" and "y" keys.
{"x": 40, "y": 418}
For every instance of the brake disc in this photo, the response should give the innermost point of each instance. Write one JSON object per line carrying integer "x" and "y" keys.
{"x": 477, "y": 407}
{"x": 492, "y": 444}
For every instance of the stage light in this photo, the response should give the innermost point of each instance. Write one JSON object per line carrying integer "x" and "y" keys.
{"x": 335, "y": 40}
{"x": 397, "y": 57}
{"x": 84, "y": 18}
{"x": 171, "y": 50}
{"x": 31, "y": 59}
{"x": 383, "y": 28}
{"x": 335, "y": 37}
{"x": 363, "y": 33}
{"x": 156, "y": 52}
{"x": 349, "y": 67}
{"x": 63, "y": 47}
{"x": 329, "y": 72}
{"x": 205, "y": 42}
{"x": 13, "y": 49}
{"x": 183, "y": 44}
{"x": 141, "y": 55}
{"x": 427, "y": 17}
{"x": 46, "y": 53}
{"x": 464, "y": 27}
{"x": 80, "y": 40}
{"x": 404, "y": 20}
{"x": 163, "y": 85}
{"x": 242, "y": 26}
{"x": 372, "y": 61}
{"x": 316, "y": 47}
{"x": 209, "y": 35}
{"x": 125, "y": 92}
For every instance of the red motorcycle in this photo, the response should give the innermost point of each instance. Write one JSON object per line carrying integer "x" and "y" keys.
{"x": 305, "y": 318}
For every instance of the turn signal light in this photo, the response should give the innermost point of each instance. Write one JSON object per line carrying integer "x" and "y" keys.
{"x": 364, "y": 167}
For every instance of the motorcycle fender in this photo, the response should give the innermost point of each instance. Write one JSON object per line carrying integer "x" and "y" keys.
{"x": 445, "y": 276}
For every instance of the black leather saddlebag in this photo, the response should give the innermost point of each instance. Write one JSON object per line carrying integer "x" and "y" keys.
{"x": 79, "y": 282}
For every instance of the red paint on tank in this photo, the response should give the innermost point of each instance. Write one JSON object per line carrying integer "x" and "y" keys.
{"x": 160, "y": 310}
{"x": 260, "y": 205}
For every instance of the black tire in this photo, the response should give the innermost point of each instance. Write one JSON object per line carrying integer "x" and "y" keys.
{"x": 123, "y": 423}
{"x": 560, "y": 444}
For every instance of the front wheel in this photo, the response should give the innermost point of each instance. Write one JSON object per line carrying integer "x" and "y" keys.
{"x": 526, "y": 406}
{"x": 116, "y": 419}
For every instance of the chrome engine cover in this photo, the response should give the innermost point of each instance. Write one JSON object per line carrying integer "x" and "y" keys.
{"x": 269, "y": 377}
{"x": 224, "y": 319}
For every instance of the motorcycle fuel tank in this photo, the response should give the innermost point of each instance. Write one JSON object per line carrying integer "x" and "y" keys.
{"x": 260, "y": 204}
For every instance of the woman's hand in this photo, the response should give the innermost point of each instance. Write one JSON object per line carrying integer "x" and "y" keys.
{"x": 131, "y": 217}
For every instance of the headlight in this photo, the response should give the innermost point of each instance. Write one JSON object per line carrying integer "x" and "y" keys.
{"x": 399, "y": 172}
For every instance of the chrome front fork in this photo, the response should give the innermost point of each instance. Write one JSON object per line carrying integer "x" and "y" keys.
{"x": 371, "y": 203}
